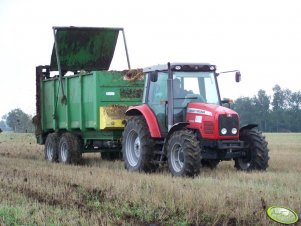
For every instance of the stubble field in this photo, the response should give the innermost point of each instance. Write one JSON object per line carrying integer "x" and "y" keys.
{"x": 34, "y": 192}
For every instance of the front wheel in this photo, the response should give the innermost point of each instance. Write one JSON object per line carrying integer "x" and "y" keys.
{"x": 184, "y": 153}
{"x": 257, "y": 152}
{"x": 138, "y": 146}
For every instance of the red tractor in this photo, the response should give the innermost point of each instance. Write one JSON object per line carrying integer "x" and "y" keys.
{"x": 182, "y": 122}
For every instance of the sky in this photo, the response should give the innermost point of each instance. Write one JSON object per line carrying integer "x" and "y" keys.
{"x": 260, "y": 38}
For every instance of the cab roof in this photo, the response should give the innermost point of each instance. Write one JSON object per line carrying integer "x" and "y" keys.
{"x": 182, "y": 67}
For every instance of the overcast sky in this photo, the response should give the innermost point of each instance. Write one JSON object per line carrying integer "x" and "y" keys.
{"x": 262, "y": 38}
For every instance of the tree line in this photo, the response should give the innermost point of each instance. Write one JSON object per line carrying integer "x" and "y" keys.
{"x": 279, "y": 113}
{"x": 17, "y": 121}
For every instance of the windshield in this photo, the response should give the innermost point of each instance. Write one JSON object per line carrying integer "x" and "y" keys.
{"x": 195, "y": 87}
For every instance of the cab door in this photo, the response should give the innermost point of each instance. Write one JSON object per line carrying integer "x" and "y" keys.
{"x": 157, "y": 100}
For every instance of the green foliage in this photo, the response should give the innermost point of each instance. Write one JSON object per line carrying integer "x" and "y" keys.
{"x": 282, "y": 114}
{"x": 9, "y": 216}
{"x": 19, "y": 121}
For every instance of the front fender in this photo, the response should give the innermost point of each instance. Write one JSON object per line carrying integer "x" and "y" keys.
{"x": 248, "y": 126}
{"x": 149, "y": 116}
{"x": 174, "y": 128}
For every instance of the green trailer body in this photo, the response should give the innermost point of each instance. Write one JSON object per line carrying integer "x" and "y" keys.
{"x": 76, "y": 95}
{"x": 86, "y": 97}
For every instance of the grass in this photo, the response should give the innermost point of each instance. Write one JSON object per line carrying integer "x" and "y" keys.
{"x": 34, "y": 192}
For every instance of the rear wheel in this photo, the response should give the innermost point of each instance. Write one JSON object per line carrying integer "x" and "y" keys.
{"x": 184, "y": 153}
{"x": 51, "y": 147}
{"x": 138, "y": 146}
{"x": 257, "y": 152}
{"x": 69, "y": 149}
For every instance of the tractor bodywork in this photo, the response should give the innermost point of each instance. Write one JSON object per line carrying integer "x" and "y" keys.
{"x": 184, "y": 100}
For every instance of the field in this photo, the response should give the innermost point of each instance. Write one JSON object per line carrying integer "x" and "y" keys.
{"x": 34, "y": 192}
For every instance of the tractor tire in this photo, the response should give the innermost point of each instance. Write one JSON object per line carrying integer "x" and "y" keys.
{"x": 111, "y": 156}
{"x": 257, "y": 152}
{"x": 138, "y": 146}
{"x": 210, "y": 163}
{"x": 184, "y": 153}
{"x": 70, "y": 149}
{"x": 51, "y": 147}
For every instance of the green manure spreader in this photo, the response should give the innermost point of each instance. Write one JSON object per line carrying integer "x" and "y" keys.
{"x": 80, "y": 104}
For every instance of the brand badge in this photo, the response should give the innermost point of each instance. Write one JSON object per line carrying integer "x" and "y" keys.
{"x": 282, "y": 215}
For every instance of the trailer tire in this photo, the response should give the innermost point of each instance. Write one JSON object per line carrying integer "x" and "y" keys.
{"x": 184, "y": 153}
{"x": 138, "y": 146}
{"x": 70, "y": 149}
{"x": 51, "y": 147}
{"x": 257, "y": 153}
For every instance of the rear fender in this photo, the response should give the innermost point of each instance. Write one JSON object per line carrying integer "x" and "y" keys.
{"x": 149, "y": 116}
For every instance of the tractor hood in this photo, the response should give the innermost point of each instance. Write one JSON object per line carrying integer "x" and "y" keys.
{"x": 84, "y": 48}
{"x": 208, "y": 109}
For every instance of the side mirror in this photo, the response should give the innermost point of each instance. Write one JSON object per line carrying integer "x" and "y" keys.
{"x": 226, "y": 102}
{"x": 153, "y": 76}
{"x": 237, "y": 76}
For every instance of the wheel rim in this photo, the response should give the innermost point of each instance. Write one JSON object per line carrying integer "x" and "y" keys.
{"x": 49, "y": 152}
{"x": 177, "y": 157}
{"x": 64, "y": 152}
{"x": 133, "y": 148}
{"x": 244, "y": 163}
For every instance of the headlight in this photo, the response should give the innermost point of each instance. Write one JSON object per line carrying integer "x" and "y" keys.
{"x": 234, "y": 131}
{"x": 224, "y": 131}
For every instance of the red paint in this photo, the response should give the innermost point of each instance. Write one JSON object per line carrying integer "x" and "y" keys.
{"x": 150, "y": 118}
{"x": 209, "y": 114}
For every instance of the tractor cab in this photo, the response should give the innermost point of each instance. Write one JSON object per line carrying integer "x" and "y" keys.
{"x": 171, "y": 87}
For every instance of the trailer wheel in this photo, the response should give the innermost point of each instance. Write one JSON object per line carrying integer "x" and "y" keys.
{"x": 69, "y": 149}
{"x": 257, "y": 153}
{"x": 184, "y": 153}
{"x": 138, "y": 146}
{"x": 210, "y": 163}
{"x": 51, "y": 147}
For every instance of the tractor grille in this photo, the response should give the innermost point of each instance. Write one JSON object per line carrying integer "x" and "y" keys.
{"x": 228, "y": 122}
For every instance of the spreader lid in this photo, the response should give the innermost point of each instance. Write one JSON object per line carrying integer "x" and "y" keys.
{"x": 84, "y": 48}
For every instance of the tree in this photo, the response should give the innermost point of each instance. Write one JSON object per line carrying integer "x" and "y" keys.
{"x": 262, "y": 106}
{"x": 3, "y": 124}
{"x": 19, "y": 121}
{"x": 245, "y": 107}
{"x": 294, "y": 111}
{"x": 280, "y": 115}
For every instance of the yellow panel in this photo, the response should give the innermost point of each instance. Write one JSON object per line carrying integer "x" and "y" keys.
{"x": 112, "y": 117}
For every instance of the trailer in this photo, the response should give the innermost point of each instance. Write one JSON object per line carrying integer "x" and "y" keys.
{"x": 80, "y": 103}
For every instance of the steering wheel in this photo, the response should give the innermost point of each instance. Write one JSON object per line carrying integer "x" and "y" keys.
{"x": 193, "y": 98}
